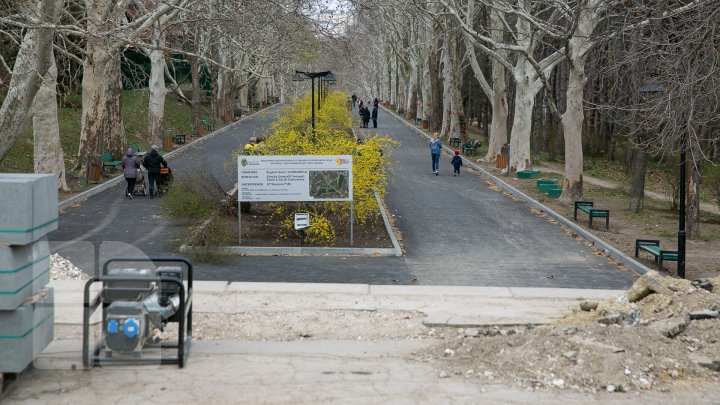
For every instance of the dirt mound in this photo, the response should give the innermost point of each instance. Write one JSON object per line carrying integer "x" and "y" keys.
{"x": 668, "y": 338}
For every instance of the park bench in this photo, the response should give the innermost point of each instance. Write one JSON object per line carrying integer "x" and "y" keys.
{"x": 178, "y": 138}
{"x": 136, "y": 149}
{"x": 107, "y": 161}
{"x": 652, "y": 246}
{"x": 470, "y": 148}
{"x": 454, "y": 141}
{"x": 418, "y": 120}
{"x": 588, "y": 208}
{"x": 206, "y": 123}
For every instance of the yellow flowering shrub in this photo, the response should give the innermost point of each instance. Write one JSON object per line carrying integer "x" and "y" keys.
{"x": 292, "y": 134}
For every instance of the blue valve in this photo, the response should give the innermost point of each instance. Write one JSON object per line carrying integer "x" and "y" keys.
{"x": 112, "y": 326}
{"x": 131, "y": 328}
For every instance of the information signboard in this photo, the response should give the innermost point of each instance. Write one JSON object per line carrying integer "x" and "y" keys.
{"x": 295, "y": 178}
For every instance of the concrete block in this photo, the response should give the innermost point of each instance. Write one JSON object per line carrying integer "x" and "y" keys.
{"x": 25, "y": 332}
{"x": 24, "y": 270}
{"x": 30, "y": 203}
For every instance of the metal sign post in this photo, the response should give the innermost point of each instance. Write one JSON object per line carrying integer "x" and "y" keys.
{"x": 302, "y": 222}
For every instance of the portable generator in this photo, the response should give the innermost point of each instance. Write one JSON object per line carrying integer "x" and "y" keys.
{"x": 137, "y": 300}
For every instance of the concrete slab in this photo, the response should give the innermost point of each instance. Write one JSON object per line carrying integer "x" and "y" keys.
{"x": 300, "y": 287}
{"x": 439, "y": 290}
{"x": 570, "y": 293}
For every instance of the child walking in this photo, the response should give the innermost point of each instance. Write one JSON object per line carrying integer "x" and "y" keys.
{"x": 456, "y": 162}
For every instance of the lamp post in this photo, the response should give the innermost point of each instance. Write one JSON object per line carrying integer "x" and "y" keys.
{"x": 653, "y": 86}
{"x": 312, "y": 75}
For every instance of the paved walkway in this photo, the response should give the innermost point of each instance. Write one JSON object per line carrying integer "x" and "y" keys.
{"x": 456, "y": 230}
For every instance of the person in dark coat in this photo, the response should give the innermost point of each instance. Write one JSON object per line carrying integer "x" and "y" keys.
{"x": 366, "y": 117}
{"x": 374, "y": 116}
{"x": 354, "y": 100}
{"x": 456, "y": 162}
{"x": 130, "y": 165}
{"x": 376, "y": 103}
{"x": 152, "y": 162}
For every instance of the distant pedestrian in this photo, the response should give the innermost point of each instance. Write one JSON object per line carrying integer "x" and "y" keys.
{"x": 435, "y": 150}
{"x": 354, "y": 100}
{"x": 130, "y": 165}
{"x": 374, "y": 116}
{"x": 152, "y": 163}
{"x": 376, "y": 103}
{"x": 366, "y": 117}
{"x": 456, "y": 162}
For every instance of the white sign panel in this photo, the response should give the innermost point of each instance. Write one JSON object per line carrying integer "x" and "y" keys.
{"x": 295, "y": 178}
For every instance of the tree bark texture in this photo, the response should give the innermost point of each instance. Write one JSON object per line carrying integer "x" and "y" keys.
{"x": 48, "y": 153}
{"x": 101, "y": 127}
{"x": 156, "y": 110}
{"x": 526, "y": 86}
{"x": 637, "y": 185}
{"x": 101, "y": 122}
{"x": 693, "y": 196}
{"x": 31, "y": 65}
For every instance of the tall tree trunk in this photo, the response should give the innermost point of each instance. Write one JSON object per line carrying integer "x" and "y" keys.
{"x": 693, "y": 195}
{"x": 31, "y": 65}
{"x": 48, "y": 153}
{"x": 101, "y": 122}
{"x": 436, "y": 114}
{"x": 196, "y": 92}
{"x": 156, "y": 111}
{"x": 637, "y": 186}
{"x": 101, "y": 127}
{"x": 526, "y": 86}
{"x": 499, "y": 104}
{"x": 572, "y": 123}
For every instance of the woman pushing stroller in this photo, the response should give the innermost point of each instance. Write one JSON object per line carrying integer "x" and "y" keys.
{"x": 130, "y": 165}
{"x": 152, "y": 162}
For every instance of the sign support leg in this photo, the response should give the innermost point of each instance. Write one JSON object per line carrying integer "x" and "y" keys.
{"x": 351, "y": 222}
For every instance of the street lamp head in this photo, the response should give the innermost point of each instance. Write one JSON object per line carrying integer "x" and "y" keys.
{"x": 298, "y": 76}
{"x": 330, "y": 77}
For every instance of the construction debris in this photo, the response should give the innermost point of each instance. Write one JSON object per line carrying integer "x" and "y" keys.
{"x": 661, "y": 334}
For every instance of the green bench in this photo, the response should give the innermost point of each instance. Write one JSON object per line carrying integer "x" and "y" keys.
{"x": 652, "y": 246}
{"x": 136, "y": 149}
{"x": 588, "y": 208}
{"x": 107, "y": 161}
{"x": 206, "y": 123}
{"x": 471, "y": 147}
{"x": 455, "y": 141}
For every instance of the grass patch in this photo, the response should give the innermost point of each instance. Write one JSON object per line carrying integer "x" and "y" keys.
{"x": 185, "y": 203}
{"x": 218, "y": 233}
{"x": 135, "y": 119}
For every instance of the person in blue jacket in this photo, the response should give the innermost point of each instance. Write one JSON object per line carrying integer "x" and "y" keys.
{"x": 435, "y": 150}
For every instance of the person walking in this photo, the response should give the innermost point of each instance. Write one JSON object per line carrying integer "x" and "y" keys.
{"x": 456, "y": 162}
{"x": 354, "y": 99}
{"x": 376, "y": 103}
{"x": 366, "y": 117}
{"x": 130, "y": 165}
{"x": 435, "y": 150}
{"x": 374, "y": 116}
{"x": 152, "y": 163}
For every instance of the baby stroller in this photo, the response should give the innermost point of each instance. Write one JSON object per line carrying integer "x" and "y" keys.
{"x": 140, "y": 187}
{"x": 164, "y": 181}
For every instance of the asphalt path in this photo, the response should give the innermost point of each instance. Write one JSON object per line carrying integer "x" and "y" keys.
{"x": 455, "y": 230}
